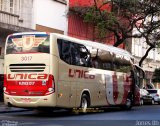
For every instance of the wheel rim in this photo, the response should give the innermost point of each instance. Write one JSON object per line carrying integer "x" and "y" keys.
{"x": 141, "y": 101}
{"x": 84, "y": 104}
{"x": 152, "y": 101}
{"x": 128, "y": 103}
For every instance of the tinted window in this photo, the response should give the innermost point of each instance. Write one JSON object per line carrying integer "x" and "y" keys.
{"x": 101, "y": 59}
{"x": 28, "y": 44}
{"x": 152, "y": 91}
{"x": 121, "y": 63}
{"x": 80, "y": 55}
{"x": 73, "y": 53}
{"x": 110, "y": 61}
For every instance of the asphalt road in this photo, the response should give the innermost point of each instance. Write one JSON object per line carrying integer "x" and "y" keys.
{"x": 148, "y": 115}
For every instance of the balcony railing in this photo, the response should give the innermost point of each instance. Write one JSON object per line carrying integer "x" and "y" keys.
{"x": 9, "y": 18}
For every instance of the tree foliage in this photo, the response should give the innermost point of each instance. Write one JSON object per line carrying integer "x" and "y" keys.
{"x": 124, "y": 17}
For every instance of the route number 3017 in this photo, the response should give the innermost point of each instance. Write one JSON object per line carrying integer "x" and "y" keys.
{"x": 26, "y": 58}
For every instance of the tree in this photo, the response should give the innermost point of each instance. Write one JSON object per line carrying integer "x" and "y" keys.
{"x": 156, "y": 76}
{"x": 124, "y": 16}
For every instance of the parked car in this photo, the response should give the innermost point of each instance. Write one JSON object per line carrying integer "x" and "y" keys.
{"x": 155, "y": 94}
{"x": 145, "y": 97}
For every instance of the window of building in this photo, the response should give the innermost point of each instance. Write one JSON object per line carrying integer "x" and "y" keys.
{"x": 1, "y": 4}
{"x": 11, "y": 5}
{"x": 7, "y": 5}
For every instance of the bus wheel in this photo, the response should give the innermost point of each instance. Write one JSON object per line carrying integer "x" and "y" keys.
{"x": 141, "y": 102}
{"x": 84, "y": 103}
{"x": 152, "y": 103}
{"x": 128, "y": 104}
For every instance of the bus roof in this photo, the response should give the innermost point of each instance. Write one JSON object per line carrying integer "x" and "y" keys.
{"x": 27, "y": 33}
{"x": 84, "y": 42}
{"x": 96, "y": 45}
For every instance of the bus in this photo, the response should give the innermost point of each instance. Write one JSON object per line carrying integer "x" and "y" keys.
{"x": 49, "y": 70}
{"x": 1, "y": 77}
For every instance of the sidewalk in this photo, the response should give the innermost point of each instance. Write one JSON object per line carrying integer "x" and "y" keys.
{"x": 6, "y": 109}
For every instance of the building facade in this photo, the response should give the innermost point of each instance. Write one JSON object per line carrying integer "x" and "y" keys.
{"x": 50, "y": 16}
{"x": 31, "y": 15}
{"x": 15, "y": 16}
{"x": 139, "y": 47}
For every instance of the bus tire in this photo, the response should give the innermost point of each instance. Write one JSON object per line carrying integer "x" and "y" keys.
{"x": 153, "y": 102}
{"x": 85, "y": 102}
{"x": 128, "y": 104}
{"x": 141, "y": 101}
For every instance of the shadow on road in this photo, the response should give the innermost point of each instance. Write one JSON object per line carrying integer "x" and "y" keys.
{"x": 69, "y": 113}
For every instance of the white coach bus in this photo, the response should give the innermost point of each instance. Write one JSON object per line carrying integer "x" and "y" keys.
{"x": 57, "y": 71}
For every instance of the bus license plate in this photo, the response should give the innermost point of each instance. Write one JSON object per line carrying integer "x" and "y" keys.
{"x": 26, "y": 100}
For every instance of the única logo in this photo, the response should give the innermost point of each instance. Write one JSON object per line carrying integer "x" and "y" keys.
{"x": 28, "y": 41}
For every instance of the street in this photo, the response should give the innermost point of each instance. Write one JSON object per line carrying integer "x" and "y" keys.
{"x": 147, "y": 115}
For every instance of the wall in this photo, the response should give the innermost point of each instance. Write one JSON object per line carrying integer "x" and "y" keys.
{"x": 50, "y": 14}
{"x": 25, "y": 13}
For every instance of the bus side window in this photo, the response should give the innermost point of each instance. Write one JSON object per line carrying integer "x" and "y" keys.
{"x": 107, "y": 66}
{"x": 59, "y": 42}
{"x": 74, "y": 54}
{"x": 104, "y": 60}
{"x": 64, "y": 50}
{"x": 85, "y": 56}
{"x": 122, "y": 63}
{"x": 94, "y": 62}
{"x": 108, "y": 62}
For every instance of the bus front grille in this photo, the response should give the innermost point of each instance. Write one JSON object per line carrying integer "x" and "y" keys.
{"x": 27, "y": 67}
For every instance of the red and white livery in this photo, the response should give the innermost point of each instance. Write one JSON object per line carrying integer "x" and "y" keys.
{"x": 53, "y": 70}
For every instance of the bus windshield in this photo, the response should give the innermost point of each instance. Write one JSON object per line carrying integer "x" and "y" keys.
{"x": 28, "y": 43}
